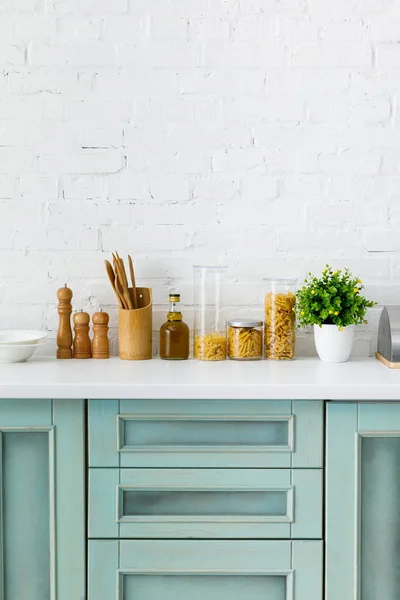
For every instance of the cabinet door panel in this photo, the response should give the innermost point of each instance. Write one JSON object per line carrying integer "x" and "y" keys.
{"x": 199, "y": 503}
{"x": 149, "y": 570}
{"x": 363, "y": 496}
{"x": 42, "y": 503}
{"x": 26, "y": 505}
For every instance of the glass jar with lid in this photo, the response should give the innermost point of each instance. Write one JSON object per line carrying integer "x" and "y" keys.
{"x": 245, "y": 339}
{"x": 279, "y": 318}
{"x": 209, "y": 318}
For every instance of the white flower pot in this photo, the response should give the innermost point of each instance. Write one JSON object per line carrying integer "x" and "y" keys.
{"x": 333, "y": 344}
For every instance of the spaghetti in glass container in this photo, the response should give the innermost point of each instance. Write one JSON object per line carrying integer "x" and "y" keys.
{"x": 245, "y": 340}
{"x": 279, "y": 321}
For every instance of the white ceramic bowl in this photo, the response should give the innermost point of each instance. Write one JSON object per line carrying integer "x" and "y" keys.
{"x": 20, "y": 336}
{"x": 12, "y": 353}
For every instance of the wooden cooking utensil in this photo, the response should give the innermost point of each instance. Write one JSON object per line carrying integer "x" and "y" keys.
{"x": 111, "y": 277}
{"x": 134, "y": 291}
{"x": 122, "y": 284}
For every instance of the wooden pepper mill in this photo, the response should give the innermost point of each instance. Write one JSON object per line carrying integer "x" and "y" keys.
{"x": 82, "y": 347}
{"x": 100, "y": 345}
{"x": 64, "y": 335}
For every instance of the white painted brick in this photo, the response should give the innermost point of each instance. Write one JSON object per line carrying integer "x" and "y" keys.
{"x": 214, "y": 189}
{"x": 346, "y": 30}
{"x": 242, "y": 54}
{"x": 101, "y": 137}
{"x": 83, "y": 187}
{"x": 242, "y": 162}
{"x": 169, "y": 189}
{"x": 8, "y": 186}
{"x": 72, "y": 55}
{"x": 128, "y": 185}
{"x": 18, "y": 5}
{"x": 72, "y": 238}
{"x": 330, "y": 54}
{"x": 136, "y": 82}
{"x": 168, "y": 29}
{"x": 263, "y": 107}
{"x": 382, "y": 241}
{"x": 349, "y": 161}
{"x": 97, "y": 110}
{"x": 290, "y": 30}
{"x": 388, "y": 55}
{"x": 375, "y": 109}
{"x": 43, "y": 27}
{"x": 166, "y": 238}
{"x": 87, "y": 161}
{"x": 11, "y": 54}
{"x": 260, "y": 189}
{"x": 72, "y": 28}
{"x": 88, "y": 214}
{"x": 38, "y": 187}
{"x": 209, "y": 29}
{"x": 384, "y": 30}
{"x": 160, "y": 54}
{"x": 125, "y": 27}
{"x": 223, "y": 81}
{"x": 102, "y": 6}
{"x": 17, "y": 161}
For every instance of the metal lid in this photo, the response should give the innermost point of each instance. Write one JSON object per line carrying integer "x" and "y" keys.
{"x": 244, "y": 323}
{"x": 174, "y": 297}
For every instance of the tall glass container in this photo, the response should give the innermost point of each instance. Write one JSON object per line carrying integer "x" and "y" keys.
{"x": 279, "y": 318}
{"x": 209, "y": 318}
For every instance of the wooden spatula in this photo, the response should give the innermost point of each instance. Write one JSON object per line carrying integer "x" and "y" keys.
{"x": 111, "y": 277}
{"x": 122, "y": 283}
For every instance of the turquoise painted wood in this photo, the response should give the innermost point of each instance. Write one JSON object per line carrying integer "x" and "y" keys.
{"x": 227, "y": 570}
{"x": 363, "y": 499}
{"x": 205, "y": 503}
{"x": 217, "y": 433}
{"x": 42, "y": 524}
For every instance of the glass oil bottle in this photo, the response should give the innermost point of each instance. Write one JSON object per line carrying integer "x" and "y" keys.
{"x": 174, "y": 334}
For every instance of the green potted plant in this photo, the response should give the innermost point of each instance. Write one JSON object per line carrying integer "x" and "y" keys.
{"x": 333, "y": 304}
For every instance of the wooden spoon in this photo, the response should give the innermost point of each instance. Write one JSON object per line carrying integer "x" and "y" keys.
{"x": 134, "y": 290}
{"x": 111, "y": 277}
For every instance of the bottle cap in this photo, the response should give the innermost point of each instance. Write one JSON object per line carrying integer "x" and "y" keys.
{"x": 174, "y": 297}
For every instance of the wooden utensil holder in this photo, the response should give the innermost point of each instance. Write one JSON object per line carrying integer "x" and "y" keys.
{"x": 135, "y": 328}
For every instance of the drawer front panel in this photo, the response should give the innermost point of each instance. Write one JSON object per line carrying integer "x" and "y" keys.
{"x": 221, "y": 433}
{"x": 227, "y": 570}
{"x": 205, "y": 503}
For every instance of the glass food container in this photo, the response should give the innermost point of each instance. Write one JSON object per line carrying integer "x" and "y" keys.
{"x": 245, "y": 340}
{"x": 209, "y": 320}
{"x": 279, "y": 320}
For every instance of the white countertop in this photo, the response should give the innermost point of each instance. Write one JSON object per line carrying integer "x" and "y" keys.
{"x": 306, "y": 378}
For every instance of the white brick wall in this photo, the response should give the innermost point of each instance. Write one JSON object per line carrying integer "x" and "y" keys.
{"x": 260, "y": 133}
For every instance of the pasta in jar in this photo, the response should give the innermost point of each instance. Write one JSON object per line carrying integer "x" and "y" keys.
{"x": 279, "y": 325}
{"x": 211, "y": 346}
{"x": 245, "y": 340}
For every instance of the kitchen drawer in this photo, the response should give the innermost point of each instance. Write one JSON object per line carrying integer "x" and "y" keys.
{"x": 205, "y": 503}
{"x": 205, "y": 433}
{"x": 223, "y": 570}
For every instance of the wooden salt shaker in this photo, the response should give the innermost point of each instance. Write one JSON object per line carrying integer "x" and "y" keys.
{"x": 82, "y": 347}
{"x": 64, "y": 335}
{"x": 100, "y": 345}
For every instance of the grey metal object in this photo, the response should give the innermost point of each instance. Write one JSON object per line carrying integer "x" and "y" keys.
{"x": 389, "y": 333}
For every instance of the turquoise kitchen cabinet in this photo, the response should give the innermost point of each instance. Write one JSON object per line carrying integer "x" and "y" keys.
{"x": 363, "y": 501}
{"x": 42, "y": 500}
{"x": 227, "y": 570}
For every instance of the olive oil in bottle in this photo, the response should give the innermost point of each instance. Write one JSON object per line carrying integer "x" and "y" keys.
{"x": 174, "y": 334}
